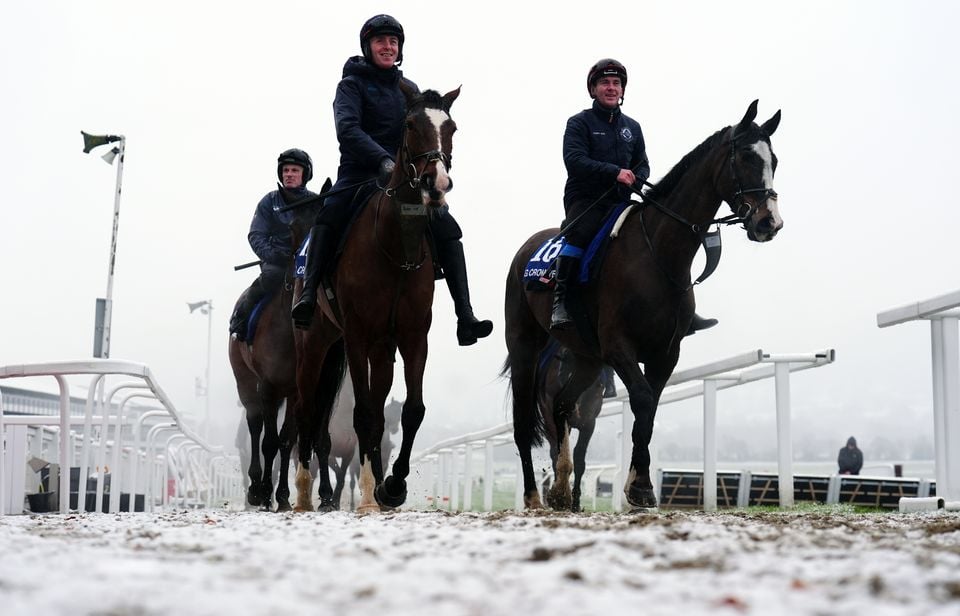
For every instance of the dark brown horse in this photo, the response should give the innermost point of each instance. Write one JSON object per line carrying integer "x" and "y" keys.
{"x": 265, "y": 371}
{"x": 383, "y": 284}
{"x": 643, "y": 303}
{"x": 554, "y": 370}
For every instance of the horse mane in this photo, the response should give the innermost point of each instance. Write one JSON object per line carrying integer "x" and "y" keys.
{"x": 429, "y": 99}
{"x": 665, "y": 186}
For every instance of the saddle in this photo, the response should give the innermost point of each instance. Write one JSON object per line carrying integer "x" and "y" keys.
{"x": 540, "y": 271}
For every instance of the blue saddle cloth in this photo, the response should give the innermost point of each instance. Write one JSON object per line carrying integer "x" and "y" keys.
{"x": 254, "y": 318}
{"x": 540, "y": 271}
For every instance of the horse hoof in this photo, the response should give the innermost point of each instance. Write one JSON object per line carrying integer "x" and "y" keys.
{"x": 368, "y": 509}
{"x": 253, "y": 499}
{"x": 265, "y": 507}
{"x": 533, "y": 501}
{"x": 282, "y": 506}
{"x": 558, "y": 500}
{"x": 326, "y": 506}
{"x": 641, "y": 498}
{"x": 391, "y": 493}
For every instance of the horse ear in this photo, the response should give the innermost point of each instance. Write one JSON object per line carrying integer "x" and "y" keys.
{"x": 771, "y": 125}
{"x": 327, "y": 185}
{"x": 749, "y": 117}
{"x": 408, "y": 93}
{"x": 451, "y": 96}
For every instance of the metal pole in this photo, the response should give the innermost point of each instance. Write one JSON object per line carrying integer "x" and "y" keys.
{"x": 710, "y": 445}
{"x": 108, "y": 305}
{"x": 784, "y": 441}
{"x": 206, "y": 376}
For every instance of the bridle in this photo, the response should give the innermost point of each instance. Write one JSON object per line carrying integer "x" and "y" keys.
{"x": 743, "y": 209}
{"x": 413, "y": 176}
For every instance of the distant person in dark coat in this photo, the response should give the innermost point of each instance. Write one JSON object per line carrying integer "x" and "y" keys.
{"x": 850, "y": 458}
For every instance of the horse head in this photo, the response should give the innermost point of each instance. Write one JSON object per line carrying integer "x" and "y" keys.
{"x": 425, "y": 156}
{"x": 750, "y": 179}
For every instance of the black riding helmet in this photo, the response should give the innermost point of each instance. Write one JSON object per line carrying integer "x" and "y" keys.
{"x": 295, "y": 156}
{"x": 381, "y": 24}
{"x": 603, "y": 68}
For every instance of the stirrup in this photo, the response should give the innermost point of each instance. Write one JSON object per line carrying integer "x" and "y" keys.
{"x": 302, "y": 313}
{"x": 560, "y": 319}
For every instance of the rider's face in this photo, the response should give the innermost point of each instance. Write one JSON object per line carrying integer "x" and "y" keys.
{"x": 292, "y": 176}
{"x": 608, "y": 91}
{"x": 384, "y": 48}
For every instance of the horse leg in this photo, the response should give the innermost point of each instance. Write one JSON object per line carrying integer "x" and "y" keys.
{"x": 323, "y": 446}
{"x": 413, "y": 348}
{"x": 310, "y": 357}
{"x": 287, "y": 434}
{"x": 358, "y": 360}
{"x": 271, "y": 440}
{"x": 584, "y": 434}
{"x": 255, "y": 472}
{"x": 643, "y": 403}
{"x": 583, "y": 375}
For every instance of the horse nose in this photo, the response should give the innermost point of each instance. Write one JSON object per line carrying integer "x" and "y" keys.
{"x": 768, "y": 227}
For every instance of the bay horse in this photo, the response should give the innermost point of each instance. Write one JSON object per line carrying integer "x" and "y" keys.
{"x": 265, "y": 372}
{"x": 553, "y": 373}
{"x": 384, "y": 298}
{"x": 643, "y": 302}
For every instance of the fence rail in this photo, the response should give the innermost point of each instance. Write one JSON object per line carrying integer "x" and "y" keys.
{"x": 196, "y": 472}
{"x": 444, "y": 471}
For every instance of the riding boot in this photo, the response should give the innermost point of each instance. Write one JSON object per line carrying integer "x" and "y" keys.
{"x": 560, "y": 319}
{"x": 699, "y": 323}
{"x": 302, "y": 312}
{"x": 469, "y": 328}
{"x": 609, "y": 387}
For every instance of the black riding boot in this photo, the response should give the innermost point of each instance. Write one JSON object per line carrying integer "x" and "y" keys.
{"x": 609, "y": 386}
{"x": 469, "y": 328}
{"x": 560, "y": 319}
{"x": 699, "y": 323}
{"x": 241, "y": 312}
{"x": 302, "y": 312}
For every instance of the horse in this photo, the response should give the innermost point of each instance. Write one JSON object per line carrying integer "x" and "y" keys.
{"x": 553, "y": 373}
{"x": 384, "y": 299}
{"x": 264, "y": 370}
{"x": 642, "y": 304}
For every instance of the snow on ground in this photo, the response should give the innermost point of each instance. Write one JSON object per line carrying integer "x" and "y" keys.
{"x": 219, "y": 562}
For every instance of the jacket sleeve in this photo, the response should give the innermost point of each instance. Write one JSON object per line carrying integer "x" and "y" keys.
{"x": 640, "y": 164}
{"x": 347, "y": 115}
{"x": 264, "y": 244}
{"x": 576, "y": 154}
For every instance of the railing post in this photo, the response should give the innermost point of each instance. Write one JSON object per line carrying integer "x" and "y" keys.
{"x": 784, "y": 440}
{"x": 467, "y": 477}
{"x": 710, "y": 445}
{"x": 951, "y": 408}
{"x": 488, "y": 476}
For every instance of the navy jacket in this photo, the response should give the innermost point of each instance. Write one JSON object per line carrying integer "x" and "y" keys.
{"x": 368, "y": 110}
{"x": 598, "y": 143}
{"x": 270, "y": 235}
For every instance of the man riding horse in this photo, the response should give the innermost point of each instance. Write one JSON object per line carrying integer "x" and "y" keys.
{"x": 605, "y": 156}
{"x": 270, "y": 234}
{"x": 369, "y": 110}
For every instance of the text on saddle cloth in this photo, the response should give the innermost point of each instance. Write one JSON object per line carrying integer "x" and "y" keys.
{"x": 540, "y": 271}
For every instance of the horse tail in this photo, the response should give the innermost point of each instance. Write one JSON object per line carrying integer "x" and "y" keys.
{"x": 331, "y": 378}
{"x": 528, "y": 424}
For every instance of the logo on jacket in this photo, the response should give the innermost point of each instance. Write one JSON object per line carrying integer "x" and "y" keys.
{"x": 626, "y": 134}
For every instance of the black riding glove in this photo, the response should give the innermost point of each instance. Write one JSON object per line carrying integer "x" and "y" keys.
{"x": 386, "y": 171}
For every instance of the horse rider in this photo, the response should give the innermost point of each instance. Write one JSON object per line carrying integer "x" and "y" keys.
{"x": 605, "y": 156}
{"x": 369, "y": 111}
{"x": 270, "y": 235}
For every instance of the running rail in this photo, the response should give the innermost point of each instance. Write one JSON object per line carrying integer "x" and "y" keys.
{"x": 12, "y": 456}
{"x": 440, "y": 475}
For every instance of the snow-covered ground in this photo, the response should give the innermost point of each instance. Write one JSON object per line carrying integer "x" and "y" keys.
{"x": 217, "y": 562}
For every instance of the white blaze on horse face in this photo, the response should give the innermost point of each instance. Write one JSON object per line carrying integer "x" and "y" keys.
{"x": 762, "y": 148}
{"x": 437, "y": 118}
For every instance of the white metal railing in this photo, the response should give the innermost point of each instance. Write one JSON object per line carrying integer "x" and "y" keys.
{"x": 196, "y": 481}
{"x": 945, "y": 351}
{"x": 438, "y": 476}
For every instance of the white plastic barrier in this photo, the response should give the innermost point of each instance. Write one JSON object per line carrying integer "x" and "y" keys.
{"x": 116, "y": 419}
{"x": 439, "y": 481}
{"x": 945, "y": 350}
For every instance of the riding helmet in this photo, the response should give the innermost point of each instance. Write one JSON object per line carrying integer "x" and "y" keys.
{"x": 603, "y": 68}
{"x": 380, "y": 24}
{"x": 295, "y": 156}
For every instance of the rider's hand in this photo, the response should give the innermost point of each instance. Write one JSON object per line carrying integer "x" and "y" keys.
{"x": 626, "y": 177}
{"x": 386, "y": 171}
